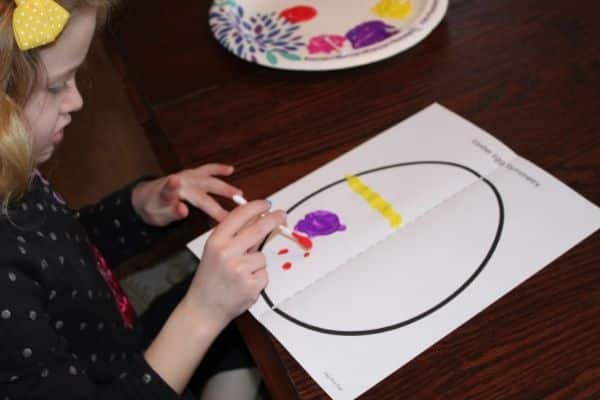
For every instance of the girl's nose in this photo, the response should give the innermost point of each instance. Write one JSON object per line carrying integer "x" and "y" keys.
{"x": 73, "y": 100}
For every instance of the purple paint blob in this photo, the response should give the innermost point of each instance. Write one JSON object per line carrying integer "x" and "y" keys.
{"x": 369, "y": 33}
{"x": 319, "y": 223}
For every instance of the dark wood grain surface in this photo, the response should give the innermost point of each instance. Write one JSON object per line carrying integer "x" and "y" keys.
{"x": 527, "y": 71}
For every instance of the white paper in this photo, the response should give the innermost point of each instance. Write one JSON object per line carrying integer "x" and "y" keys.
{"x": 477, "y": 221}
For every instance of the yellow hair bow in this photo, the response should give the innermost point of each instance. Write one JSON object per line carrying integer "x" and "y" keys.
{"x": 38, "y": 22}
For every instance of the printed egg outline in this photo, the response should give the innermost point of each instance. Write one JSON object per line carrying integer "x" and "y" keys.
{"x": 430, "y": 310}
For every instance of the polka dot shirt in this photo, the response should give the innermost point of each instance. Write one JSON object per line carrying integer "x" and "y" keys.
{"x": 61, "y": 333}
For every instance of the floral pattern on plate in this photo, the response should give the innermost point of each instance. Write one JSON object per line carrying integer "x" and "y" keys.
{"x": 262, "y": 35}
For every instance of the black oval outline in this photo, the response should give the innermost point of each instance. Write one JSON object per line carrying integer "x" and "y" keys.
{"x": 430, "y": 310}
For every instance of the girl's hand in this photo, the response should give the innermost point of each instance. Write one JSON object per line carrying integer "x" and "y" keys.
{"x": 162, "y": 201}
{"x": 232, "y": 274}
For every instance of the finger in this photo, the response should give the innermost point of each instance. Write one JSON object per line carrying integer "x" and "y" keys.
{"x": 257, "y": 279}
{"x": 197, "y": 191}
{"x": 254, "y": 233}
{"x": 257, "y": 245}
{"x": 216, "y": 169}
{"x": 181, "y": 210}
{"x": 261, "y": 279}
{"x": 169, "y": 191}
{"x": 222, "y": 188}
{"x": 252, "y": 262}
{"x": 210, "y": 207}
{"x": 239, "y": 217}
{"x": 177, "y": 212}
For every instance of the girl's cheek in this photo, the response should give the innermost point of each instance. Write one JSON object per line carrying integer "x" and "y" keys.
{"x": 34, "y": 107}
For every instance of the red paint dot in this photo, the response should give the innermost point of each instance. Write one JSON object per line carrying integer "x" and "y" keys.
{"x": 298, "y": 14}
{"x": 286, "y": 266}
{"x": 282, "y": 251}
{"x": 306, "y": 254}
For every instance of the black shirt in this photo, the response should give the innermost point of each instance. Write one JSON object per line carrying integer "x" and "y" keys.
{"x": 61, "y": 333}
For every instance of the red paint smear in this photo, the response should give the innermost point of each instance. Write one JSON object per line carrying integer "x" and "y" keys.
{"x": 287, "y": 266}
{"x": 303, "y": 240}
{"x": 306, "y": 254}
{"x": 298, "y": 14}
{"x": 282, "y": 251}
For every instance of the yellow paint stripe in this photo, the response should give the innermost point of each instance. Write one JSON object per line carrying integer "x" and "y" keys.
{"x": 375, "y": 201}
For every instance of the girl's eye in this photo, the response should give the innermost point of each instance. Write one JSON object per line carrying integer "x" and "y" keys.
{"x": 56, "y": 89}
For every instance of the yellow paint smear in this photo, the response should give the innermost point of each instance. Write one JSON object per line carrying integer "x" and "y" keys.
{"x": 397, "y": 9}
{"x": 375, "y": 200}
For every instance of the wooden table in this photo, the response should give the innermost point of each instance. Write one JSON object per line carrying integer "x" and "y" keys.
{"x": 526, "y": 71}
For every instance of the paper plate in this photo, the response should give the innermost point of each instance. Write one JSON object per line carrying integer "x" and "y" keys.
{"x": 322, "y": 35}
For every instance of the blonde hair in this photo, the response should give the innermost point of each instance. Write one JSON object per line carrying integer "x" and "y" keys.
{"x": 19, "y": 73}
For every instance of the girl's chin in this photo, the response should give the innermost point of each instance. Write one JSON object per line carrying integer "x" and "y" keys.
{"x": 44, "y": 156}
{"x": 46, "y": 153}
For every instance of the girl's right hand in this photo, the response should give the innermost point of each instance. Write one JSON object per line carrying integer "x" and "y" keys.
{"x": 232, "y": 273}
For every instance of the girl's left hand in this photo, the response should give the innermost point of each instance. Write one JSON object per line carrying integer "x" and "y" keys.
{"x": 162, "y": 201}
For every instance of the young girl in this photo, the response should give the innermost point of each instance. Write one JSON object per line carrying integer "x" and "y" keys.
{"x": 66, "y": 329}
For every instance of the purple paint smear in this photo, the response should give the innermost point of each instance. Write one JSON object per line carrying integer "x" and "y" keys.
{"x": 369, "y": 33}
{"x": 319, "y": 223}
